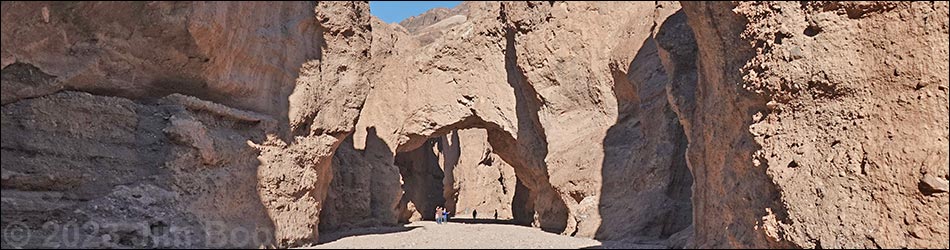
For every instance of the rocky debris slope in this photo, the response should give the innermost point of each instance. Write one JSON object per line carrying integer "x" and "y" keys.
{"x": 414, "y": 24}
{"x": 819, "y": 124}
{"x": 435, "y": 23}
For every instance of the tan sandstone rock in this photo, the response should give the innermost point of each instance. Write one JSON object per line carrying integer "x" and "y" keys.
{"x": 514, "y": 70}
{"x": 223, "y": 118}
{"x": 814, "y": 124}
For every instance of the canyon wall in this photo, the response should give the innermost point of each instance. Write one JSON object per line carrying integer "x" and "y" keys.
{"x": 458, "y": 171}
{"x": 175, "y": 124}
{"x": 513, "y": 69}
{"x": 819, "y": 125}
{"x": 736, "y": 95}
{"x": 481, "y": 181}
{"x": 718, "y": 124}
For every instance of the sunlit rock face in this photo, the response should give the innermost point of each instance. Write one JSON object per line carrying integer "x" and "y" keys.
{"x": 819, "y": 125}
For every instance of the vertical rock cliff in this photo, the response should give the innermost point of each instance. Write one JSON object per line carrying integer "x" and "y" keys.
{"x": 176, "y": 124}
{"x": 819, "y": 124}
{"x": 574, "y": 102}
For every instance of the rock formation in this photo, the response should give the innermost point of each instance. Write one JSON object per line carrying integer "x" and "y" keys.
{"x": 432, "y": 24}
{"x": 480, "y": 180}
{"x": 818, "y": 124}
{"x": 191, "y": 126}
{"x": 135, "y": 175}
{"x": 714, "y": 124}
{"x": 536, "y": 124}
{"x": 414, "y": 24}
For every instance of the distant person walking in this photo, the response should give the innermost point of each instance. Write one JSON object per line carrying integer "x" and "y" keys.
{"x": 445, "y": 215}
{"x": 438, "y": 215}
{"x": 474, "y": 213}
{"x": 496, "y": 214}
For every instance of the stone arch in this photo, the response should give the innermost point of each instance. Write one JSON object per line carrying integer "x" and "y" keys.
{"x": 536, "y": 203}
{"x": 526, "y": 156}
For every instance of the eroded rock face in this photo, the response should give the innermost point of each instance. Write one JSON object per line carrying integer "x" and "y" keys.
{"x": 634, "y": 179}
{"x": 816, "y": 124}
{"x": 174, "y": 174}
{"x": 211, "y": 122}
{"x": 514, "y": 69}
{"x": 150, "y": 50}
{"x": 480, "y": 180}
{"x": 365, "y": 189}
{"x": 458, "y": 171}
{"x": 295, "y": 175}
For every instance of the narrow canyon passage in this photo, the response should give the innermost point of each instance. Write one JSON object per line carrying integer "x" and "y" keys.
{"x": 459, "y": 172}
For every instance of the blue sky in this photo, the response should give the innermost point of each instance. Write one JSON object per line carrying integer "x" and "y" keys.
{"x": 395, "y": 11}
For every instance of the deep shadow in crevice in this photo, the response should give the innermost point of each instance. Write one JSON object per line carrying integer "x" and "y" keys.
{"x": 450, "y": 149}
{"x": 680, "y": 70}
{"x": 734, "y": 197}
{"x": 527, "y": 154}
{"x": 359, "y": 194}
{"x": 522, "y": 205}
{"x": 422, "y": 178}
{"x": 646, "y": 183}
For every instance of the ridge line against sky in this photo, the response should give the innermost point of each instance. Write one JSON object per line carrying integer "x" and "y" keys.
{"x": 396, "y": 11}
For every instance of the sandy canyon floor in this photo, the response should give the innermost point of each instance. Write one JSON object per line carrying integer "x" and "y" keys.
{"x": 466, "y": 234}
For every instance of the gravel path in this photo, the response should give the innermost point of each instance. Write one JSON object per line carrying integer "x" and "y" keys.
{"x": 428, "y": 234}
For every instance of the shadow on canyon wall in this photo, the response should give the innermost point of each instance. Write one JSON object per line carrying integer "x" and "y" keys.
{"x": 731, "y": 182}
{"x": 365, "y": 186}
{"x": 645, "y": 191}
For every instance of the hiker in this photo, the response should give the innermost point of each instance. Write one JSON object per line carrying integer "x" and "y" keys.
{"x": 438, "y": 215}
{"x": 445, "y": 215}
{"x": 496, "y": 214}
{"x": 474, "y": 213}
